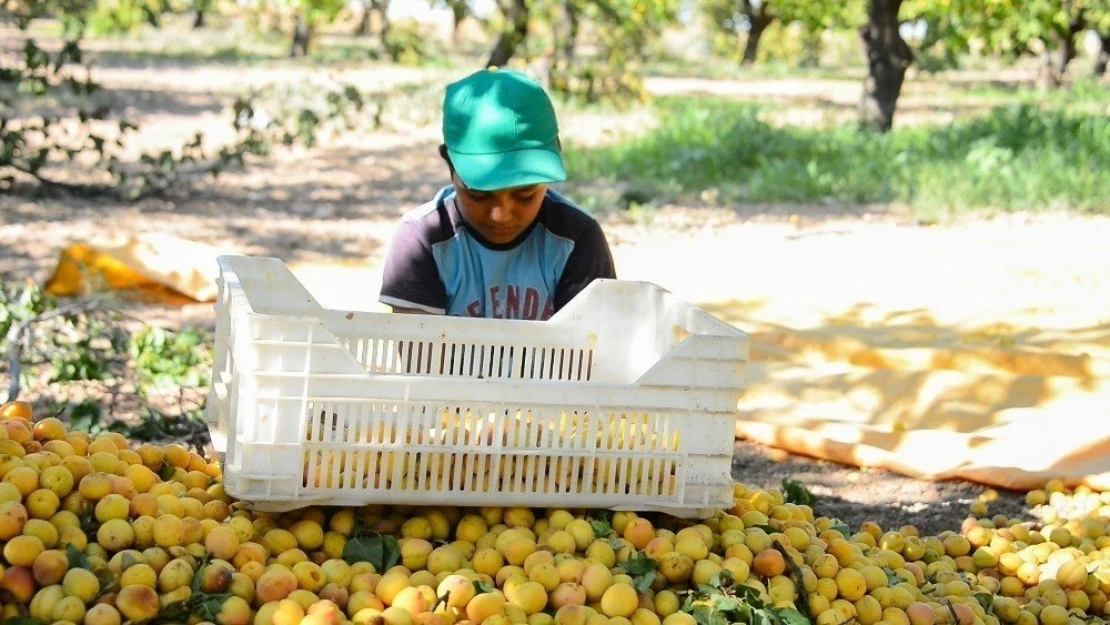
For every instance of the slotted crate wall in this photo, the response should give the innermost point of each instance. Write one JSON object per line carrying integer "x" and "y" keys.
{"x": 625, "y": 399}
{"x": 471, "y": 359}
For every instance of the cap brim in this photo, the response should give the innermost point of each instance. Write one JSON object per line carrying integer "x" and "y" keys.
{"x": 519, "y": 168}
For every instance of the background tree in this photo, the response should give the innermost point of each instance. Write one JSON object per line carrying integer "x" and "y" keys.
{"x": 818, "y": 16}
{"x": 363, "y": 27}
{"x": 1098, "y": 19}
{"x": 381, "y": 8}
{"x": 120, "y": 16}
{"x": 460, "y": 10}
{"x": 622, "y": 31}
{"x": 731, "y": 19}
{"x": 308, "y": 15}
{"x": 515, "y": 17}
{"x": 888, "y": 58}
{"x": 1103, "y": 51}
{"x": 759, "y": 15}
{"x": 201, "y": 10}
{"x": 1014, "y": 28}
{"x": 60, "y": 130}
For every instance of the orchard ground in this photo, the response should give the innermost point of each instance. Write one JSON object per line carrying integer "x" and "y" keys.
{"x": 757, "y": 265}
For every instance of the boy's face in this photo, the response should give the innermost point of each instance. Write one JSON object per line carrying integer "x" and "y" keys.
{"x": 500, "y": 216}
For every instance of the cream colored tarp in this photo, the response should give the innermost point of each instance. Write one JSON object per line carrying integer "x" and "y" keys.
{"x": 1009, "y": 415}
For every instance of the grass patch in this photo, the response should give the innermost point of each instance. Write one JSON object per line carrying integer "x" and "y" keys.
{"x": 1081, "y": 92}
{"x": 1014, "y": 158}
{"x": 716, "y": 69}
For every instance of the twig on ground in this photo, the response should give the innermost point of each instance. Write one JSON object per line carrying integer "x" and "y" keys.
{"x": 15, "y": 336}
{"x": 799, "y": 582}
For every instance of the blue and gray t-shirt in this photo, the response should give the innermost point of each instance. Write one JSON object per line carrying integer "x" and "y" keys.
{"x": 438, "y": 264}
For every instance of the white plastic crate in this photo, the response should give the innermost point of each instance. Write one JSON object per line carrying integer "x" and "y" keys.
{"x": 625, "y": 399}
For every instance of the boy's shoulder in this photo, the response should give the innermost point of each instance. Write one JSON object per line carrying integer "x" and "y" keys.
{"x": 432, "y": 220}
{"x": 563, "y": 218}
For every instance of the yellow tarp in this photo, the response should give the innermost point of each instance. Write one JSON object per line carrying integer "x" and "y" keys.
{"x": 153, "y": 267}
{"x": 170, "y": 270}
{"x": 1005, "y": 411}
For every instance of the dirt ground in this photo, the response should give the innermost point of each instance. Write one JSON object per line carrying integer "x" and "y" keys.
{"x": 338, "y": 204}
{"x": 854, "y": 496}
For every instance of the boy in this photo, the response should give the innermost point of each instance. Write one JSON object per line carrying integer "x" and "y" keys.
{"x": 497, "y": 242}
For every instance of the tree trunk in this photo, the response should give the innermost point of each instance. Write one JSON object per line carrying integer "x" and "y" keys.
{"x": 198, "y": 19}
{"x": 570, "y": 26}
{"x": 758, "y": 21}
{"x": 382, "y": 7}
{"x": 566, "y": 38}
{"x": 459, "y": 11}
{"x": 302, "y": 37}
{"x": 1103, "y": 53}
{"x": 516, "y": 14}
{"x": 811, "y": 46}
{"x": 888, "y": 58}
{"x": 563, "y": 48}
{"x": 1057, "y": 59}
{"x": 363, "y": 27}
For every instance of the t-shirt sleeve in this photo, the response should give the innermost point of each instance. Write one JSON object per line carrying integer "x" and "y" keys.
{"x": 410, "y": 278}
{"x": 590, "y": 259}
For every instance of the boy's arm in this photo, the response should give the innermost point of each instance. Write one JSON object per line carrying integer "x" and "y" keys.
{"x": 410, "y": 279}
{"x": 590, "y": 259}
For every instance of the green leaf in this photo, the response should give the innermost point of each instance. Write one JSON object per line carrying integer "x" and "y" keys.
{"x": 984, "y": 600}
{"x": 794, "y": 492}
{"x": 762, "y": 616}
{"x": 791, "y": 617}
{"x": 722, "y": 580}
{"x": 176, "y": 612}
{"x": 22, "y": 620}
{"x": 601, "y": 527}
{"x": 743, "y": 614}
{"x": 643, "y": 582}
{"x": 108, "y": 581}
{"x": 198, "y": 577}
{"x": 483, "y": 587}
{"x": 748, "y": 595}
{"x": 766, "y": 528}
{"x": 392, "y": 552}
{"x": 725, "y": 603}
{"x": 703, "y": 614}
{"x": 688, "y": 603}
{"x": 167, "y": 472}
{"x": 365, "y": 549}
{"x": 77, "y": 560}
{"x": 208, "y": 606}
{"x": 841, "y": 527}
{"x": 639, "y": 564}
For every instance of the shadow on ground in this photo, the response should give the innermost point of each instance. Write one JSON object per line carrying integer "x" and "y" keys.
{"x": 338, "y": 204}
{"x": 845, "y": 492}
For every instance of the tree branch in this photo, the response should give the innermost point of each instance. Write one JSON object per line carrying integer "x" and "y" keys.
{"x": 159, "y": 182}
{"x": 15, "y": 336}
{"x": 75, "y": 188}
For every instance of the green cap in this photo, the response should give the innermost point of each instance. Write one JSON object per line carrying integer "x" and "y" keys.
{"x": 500, "y": 131}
